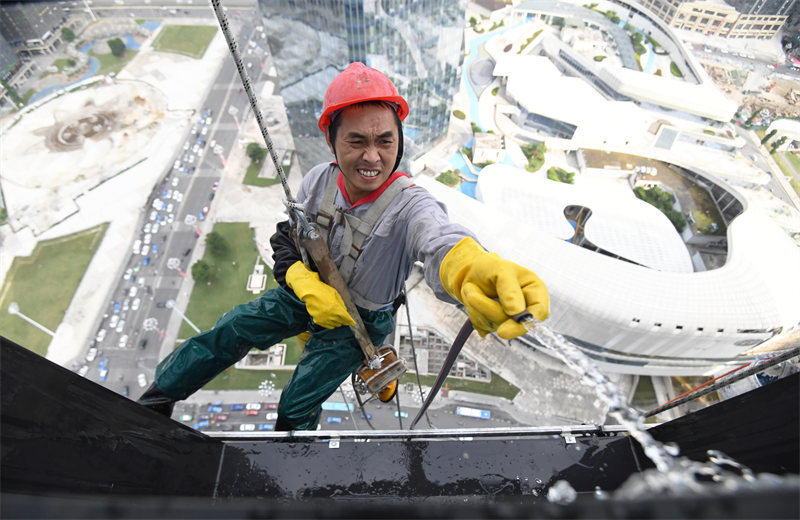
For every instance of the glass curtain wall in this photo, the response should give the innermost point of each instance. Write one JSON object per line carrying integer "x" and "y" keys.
{"x": 418, "y": 44}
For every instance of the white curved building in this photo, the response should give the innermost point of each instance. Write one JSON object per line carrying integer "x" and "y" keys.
{"x": 661, "y": 319}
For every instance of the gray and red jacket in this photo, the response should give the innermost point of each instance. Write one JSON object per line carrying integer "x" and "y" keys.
{"x": 376, "y": 241}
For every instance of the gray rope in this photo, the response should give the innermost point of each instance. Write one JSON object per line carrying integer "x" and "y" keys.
{"x": 237, "y": 58}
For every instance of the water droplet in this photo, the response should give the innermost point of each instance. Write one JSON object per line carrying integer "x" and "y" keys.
{"x": 561, "y": 493}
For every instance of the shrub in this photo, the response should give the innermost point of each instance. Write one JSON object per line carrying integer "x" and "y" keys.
{"x": 557, "y": 174}
{"x": 117, "y": 47}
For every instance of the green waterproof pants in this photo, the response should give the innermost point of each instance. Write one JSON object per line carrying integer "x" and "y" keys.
{"x": 329, "y": 357}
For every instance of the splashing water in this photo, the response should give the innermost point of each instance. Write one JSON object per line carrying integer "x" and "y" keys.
{"x": 672, "y": 474}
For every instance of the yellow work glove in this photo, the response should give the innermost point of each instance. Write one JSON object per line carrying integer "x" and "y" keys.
{"x": 322, "y": 301}
{"x": 492, "y": 289}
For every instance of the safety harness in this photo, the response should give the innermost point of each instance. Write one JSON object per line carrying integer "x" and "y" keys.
{"x": 355, "y": 229}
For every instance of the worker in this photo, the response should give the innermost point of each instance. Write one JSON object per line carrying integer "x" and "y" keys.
{"x": 377, "y": 224}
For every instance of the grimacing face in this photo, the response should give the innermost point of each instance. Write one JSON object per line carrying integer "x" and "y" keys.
{"x": 365, "y": 147}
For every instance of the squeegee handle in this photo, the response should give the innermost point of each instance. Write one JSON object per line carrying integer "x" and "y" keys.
{"x": 317, "y": 249}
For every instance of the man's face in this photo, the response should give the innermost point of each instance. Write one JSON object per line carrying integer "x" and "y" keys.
{"x": 366, "y": 148}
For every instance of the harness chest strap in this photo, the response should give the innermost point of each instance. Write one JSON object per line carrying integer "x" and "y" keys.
{"x": 356, "y": 230}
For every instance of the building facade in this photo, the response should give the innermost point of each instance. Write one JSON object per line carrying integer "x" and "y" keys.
{"x": 418, "y": 44}
{"x": 32, "y": 28}
{"x": 730, "y": 19}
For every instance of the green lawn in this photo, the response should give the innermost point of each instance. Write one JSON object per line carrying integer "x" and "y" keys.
{"x": 209, "y": 302}
{"x": 498, "y": 387}
{"x": 234, "y": 379}
{"x": 189, "y": 40}
{"x": 228, "y": 288}
{"x": 789, "y": 157}
{"x": 43, "y": 285}
{"x": 251, "y": 177}
{"x": 110, "y": 63}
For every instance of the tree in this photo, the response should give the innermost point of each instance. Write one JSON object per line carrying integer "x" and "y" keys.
{"x": 201, "y": 272}
{"x": 777, "y": 144}
{"x": 216, "y": 244}
{"x": 67, "y": 34}
{"x": 117, "y": 47}
{"x": 256, "y": 153}
{"x": 769, "y": 136}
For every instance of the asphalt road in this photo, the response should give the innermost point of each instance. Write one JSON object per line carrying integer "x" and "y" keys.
{"x": 155, "y": 275}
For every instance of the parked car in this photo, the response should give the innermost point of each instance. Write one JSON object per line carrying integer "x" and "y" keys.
{"x": 266, "y": 426}
{"x": 253, "y": 406}
{"x": 91, "y": 354}
{"x": 112, "y": 323}
{"x": 142, "y": 380}
{"x": 247, "y": 427}
{"x": 136, "y": 303}
{"x": 123, "y": 341}
{"x": 101, "y": 335}
{"x": 103, "y": 374}
{"x": 83, "y": 370}
{"x": 214, "y": 408}
{"x": 235, "y": 407}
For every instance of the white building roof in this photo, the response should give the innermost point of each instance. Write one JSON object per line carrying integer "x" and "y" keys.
{"x": 620, "y": 222}
{"x": 637, "y": 310}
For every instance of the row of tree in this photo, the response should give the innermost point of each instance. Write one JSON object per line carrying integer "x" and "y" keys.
{"x": 202, "y": 271}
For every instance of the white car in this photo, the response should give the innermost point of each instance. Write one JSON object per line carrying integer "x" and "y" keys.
{"x": 91, "y": 354}
{"x": 137, "y": 246}
{"x": 177, "y": 164}
{"x": 155, "y": 227}
{"x": 147, "y": 238}
{"x": 101, "y": 335}
{"x": 186, "y": 145}
{"x": 133, "y": 291}
{"x": 272, "y": 416}
{"x": 145, "y": 250}
{"x": 113, "y": 322}
{"x": 136, "y": 303}
{"x": 128, "y": 273}
{"x": 140, "y": 281}
{"x": 153, "y": 214}
{"x": 126, "y": 304}
{"x": 121, "y": 327}
{"x": 247, "y": 427}
{"x": 175, "y": 181}
{"x": 170, "y": 208}
{"x": 196, "y": 148}
{"x": 123, "y": 341}
{"x": 170, "y": 218}
{"x": 147, "y": 227}
{"x": 83, "y": 370}
{"x": 253, "y": 406}
{"x": 142, "y": 380}
{"x": 176, "y": 195}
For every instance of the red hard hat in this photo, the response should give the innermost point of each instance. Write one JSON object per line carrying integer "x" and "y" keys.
{"x": 358, "y": 83}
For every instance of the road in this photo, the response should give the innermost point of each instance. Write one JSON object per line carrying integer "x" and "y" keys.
{"x": 160, "y": 258}
{"x": 226, "y": 416}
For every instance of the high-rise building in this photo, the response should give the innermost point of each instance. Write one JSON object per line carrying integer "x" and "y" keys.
{"x": 418, "y": 44}
{"x": 32, "y": 27}
{"x": 730, "y": 18}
